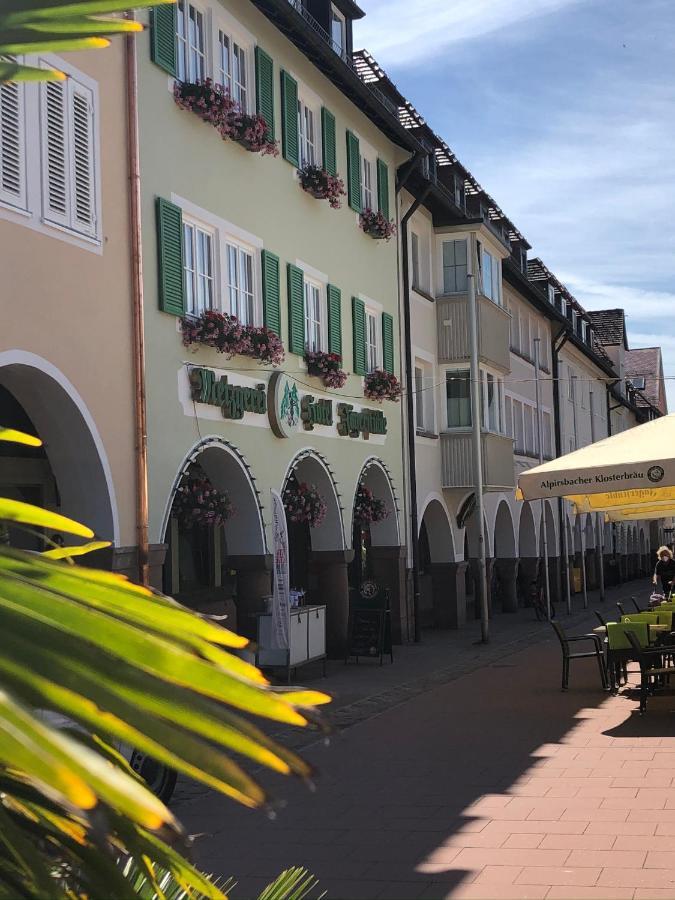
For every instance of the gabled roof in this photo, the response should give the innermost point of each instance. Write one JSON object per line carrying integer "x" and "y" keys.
{"x": 646, "y": 362}
{"x": 610, "y": 327}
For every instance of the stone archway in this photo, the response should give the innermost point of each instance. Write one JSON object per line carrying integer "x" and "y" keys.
{"x": 224, "y": 570}
{"x": 528, "y": 567}
{"x": 377, "y": 545}
{"x": 471, "y": 556}
{"x": 318, "y": 557}
{"x": 505, "y": 577}
{"x": 442, "y": 587}
{"x": 70, "y": 473}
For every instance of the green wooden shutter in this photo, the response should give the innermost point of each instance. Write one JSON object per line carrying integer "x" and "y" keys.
{"x": 388, "y": 343}
{"x": 290, "y": 139}
{"x": 271, "y": 292}
{"x": 334, "y": 319}
{"x": 296, "y": 310}
{"x": 383, "y": 188}
{"x": 359, "y": 329}
{"x": 163, "y": 37}
{"x": 264, "y": 88}
{"x": 170, "y": 256}
{"x": 328, "y": 141}
{"x": 353, "y": 172}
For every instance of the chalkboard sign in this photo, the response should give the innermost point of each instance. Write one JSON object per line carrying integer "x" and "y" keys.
{"x": 369, "y": 634}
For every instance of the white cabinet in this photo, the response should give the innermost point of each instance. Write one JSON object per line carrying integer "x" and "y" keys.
{"x": 306, "y": 636}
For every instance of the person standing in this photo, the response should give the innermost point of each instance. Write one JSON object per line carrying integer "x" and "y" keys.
{"x": 665, "y": 569}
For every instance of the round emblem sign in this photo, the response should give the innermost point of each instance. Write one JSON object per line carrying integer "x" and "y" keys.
{"x": 369, "y": 589}
{"x": 655, "y": 473}
{"x": 283, "y": 405}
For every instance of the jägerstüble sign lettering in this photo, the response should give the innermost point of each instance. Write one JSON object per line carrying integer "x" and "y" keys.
{"x": 366, "y": 422}
{"x": 232, "y": 399}
{"x": 315, "y": 412}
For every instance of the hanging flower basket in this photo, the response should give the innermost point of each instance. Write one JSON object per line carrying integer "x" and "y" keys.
{"x": 303, "y": 503}
{"x": 212, "y": 103}
{"x": 380, "y": 385}
{"x": 376, "y": 225}
{"x": 368, "y": 509}
{"x": 227, "y": 335}
{"x": 328, "y": 367}
{"x": 317, "y": 182}
{"x": 197, "y": 502}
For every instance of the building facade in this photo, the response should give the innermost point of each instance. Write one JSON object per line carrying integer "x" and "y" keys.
{"x": 66, "y": 359}
{"x": 230, "y": 231}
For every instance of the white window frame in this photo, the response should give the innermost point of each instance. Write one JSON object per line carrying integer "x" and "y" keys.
{"x": 368, "y": 164}
{"x": 493, "y": 291}
{"x": 373, "y": 329}
{"x": 77, "y": 84}
{"x": 227, "y": 233}
{"x": 425, "y": 395}
{"x": 446, "y": 239}
{"x": 240, "y": 249}
{"x": 336, "y": 15}
{"x": 30, "y": 211}
{"x": 309, "y": 145}
{"x": 414, "y": 260}
{"x": 222, "y": 22}
{"x": 14, "y": 93}
{"x": 185, "y": 68}
{"x": 192, "y": 274}
{"x": 318, "y": 290}
{"x": 450, "y": 372}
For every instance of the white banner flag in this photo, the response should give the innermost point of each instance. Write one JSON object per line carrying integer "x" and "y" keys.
{"x": 280, "y": 598}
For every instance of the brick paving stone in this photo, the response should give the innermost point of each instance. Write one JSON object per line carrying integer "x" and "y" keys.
{"x": 472, "y": 780}
{"x": 559, "y": 875}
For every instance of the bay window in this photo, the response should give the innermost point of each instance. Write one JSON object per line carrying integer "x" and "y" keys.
{"x": 490, "y": 270}
{"x": 198, "y": 267}
{"x": 240, "y": 283}
{"x": 190, "y": 43}
{"x": 454, "y": 267}
{"x": 458, "y": 398}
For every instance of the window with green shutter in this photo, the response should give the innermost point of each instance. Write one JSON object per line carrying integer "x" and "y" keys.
{"x": 328, "y": 141}
{"x": 170, "y": 257}
{"x": 353, "y": 172}
{"x": 383, "y": 188}
{"x": 163, "y": 37}
{"x": 290, "y": 141}
{"x": 388, "y": 343}
{"x": 271, "y": 292}
{"x": 296, "y": 310}
{"x": 264, "y": 88}
{"x": 359, "y": 332}
{"x": 334, "y": 319}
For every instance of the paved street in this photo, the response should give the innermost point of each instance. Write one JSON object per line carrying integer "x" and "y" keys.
{"x": 489, "y": 782}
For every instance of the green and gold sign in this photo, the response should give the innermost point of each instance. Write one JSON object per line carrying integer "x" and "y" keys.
{"x": 315, "y": 412}
{"x": 232, "y": 399}
{"x": 366, "y": 422}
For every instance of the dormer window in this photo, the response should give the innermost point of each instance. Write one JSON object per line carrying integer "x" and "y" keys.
{"x": 460, "y": 196}
{"x": 551, "y": 294}
{"x": 338, "y": 31}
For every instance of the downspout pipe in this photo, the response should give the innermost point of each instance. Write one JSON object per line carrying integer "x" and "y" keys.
{"x": 410, "y": 408}
{"x": 138, "y": 339}
{"x": 557, "y": 343}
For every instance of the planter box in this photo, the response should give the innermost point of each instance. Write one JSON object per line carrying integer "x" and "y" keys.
{"x": 317, "y": 193}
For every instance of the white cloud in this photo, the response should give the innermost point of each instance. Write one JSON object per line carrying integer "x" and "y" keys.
{"x": 638, "y": 303}
{"x": 406, "y": 31}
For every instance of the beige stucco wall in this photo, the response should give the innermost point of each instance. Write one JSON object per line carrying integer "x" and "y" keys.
{"x": 71, "y": 307}
{"x": 184, "y": 158}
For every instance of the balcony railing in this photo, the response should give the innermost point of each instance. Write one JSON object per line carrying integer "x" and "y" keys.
{"x": 457, "y": 460}
{"x": 342, "y": 54}
{"x": 453, "y": 331}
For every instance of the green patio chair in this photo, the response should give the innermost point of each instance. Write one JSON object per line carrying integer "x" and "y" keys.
{"x": 619, "y": 648}
{"x": 652, "y": 670}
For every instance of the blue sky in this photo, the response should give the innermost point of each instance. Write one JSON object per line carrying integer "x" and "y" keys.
{"x": 564, "y": 110}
